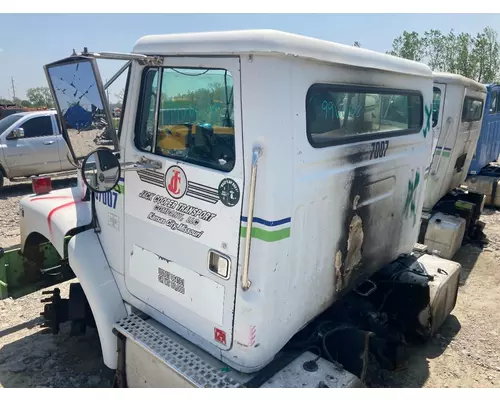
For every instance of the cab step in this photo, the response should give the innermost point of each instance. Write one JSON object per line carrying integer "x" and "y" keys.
{"x": 176, "y": 356}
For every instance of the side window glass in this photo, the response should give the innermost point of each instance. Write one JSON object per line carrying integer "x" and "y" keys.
{"x": 147, "y": 106}
{"x": 498, "y": 102}
{"x": 38, "y": 126}
{"x": 195, "y": 116}
{"x": 436, "y": 102}
{"x": 493, "y": 103}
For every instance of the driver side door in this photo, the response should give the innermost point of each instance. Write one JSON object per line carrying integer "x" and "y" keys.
{"x": 182, "y": 220}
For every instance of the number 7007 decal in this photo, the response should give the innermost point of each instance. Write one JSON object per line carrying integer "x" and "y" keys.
{"x": 107, "y": 198}
{"x": 379, "y": 149}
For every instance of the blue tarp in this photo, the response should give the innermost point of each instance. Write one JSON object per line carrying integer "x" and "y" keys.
{"x": 78, "y": 118}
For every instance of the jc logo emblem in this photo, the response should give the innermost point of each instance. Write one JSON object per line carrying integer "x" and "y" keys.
{"x": 175, "y": 182}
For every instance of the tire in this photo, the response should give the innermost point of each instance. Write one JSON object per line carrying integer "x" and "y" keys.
{"x": 2, "y": 178}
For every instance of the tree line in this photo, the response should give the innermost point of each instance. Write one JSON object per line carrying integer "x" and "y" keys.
{"x": 473, "y": 56}
{"x": 36, "y": 97}
{"x": 41, "y": 97}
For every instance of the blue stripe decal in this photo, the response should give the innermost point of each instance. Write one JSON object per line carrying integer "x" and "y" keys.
{"x": 445, "y": 148}
{"x": 268, "y": 223}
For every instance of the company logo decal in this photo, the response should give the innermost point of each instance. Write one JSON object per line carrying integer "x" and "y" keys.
{"x": 229, "y": 192}
{"x": 175, "y": 182}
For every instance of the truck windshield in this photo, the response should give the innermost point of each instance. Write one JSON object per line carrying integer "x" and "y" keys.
{"x": 8, "y": 121}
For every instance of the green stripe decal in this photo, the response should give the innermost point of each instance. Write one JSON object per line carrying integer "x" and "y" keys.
{"x": 266, "y": 236}
{"x": 446, "y": 153}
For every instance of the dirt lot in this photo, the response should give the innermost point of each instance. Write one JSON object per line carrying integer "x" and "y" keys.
{"x": 464, "y": 353}
{"x": 29, "y": 358}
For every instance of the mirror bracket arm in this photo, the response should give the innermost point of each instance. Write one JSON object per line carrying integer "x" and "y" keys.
{"x": 95, "y": 220}
{"x": 154, "y": 61}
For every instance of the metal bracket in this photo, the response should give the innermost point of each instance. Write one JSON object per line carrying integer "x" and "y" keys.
{"x": 143, "y": 163}
{"x": 369, "y": 291}
{"x": 120, "y": 380}
{"x": 141, "y": 58}
{"x": 155, "y": 61}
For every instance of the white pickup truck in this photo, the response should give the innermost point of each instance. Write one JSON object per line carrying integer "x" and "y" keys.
{"x": 31, "y": 144}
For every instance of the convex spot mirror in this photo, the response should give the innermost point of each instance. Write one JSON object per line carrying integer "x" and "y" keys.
{"x": 101, "y": 170}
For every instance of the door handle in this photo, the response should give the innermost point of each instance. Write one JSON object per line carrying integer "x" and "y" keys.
{"x": 48, "y": 142}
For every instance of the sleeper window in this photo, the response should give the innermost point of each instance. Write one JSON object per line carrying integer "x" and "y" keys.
{"x": 472, "y": 109}
{"x": 346, "y": 114}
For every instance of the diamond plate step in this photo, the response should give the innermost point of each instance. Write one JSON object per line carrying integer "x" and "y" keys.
{"x": 174, "y": 355}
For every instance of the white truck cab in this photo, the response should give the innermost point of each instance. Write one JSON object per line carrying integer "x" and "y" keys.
{"x": 258, "y": 179}
{"x": 451, "y": 212}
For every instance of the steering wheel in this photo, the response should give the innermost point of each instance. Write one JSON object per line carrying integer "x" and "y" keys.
{"x": 202, "y": 142}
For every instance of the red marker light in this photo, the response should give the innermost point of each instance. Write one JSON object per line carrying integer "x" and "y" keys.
{"x": 41, "y": 185}
{"x": 220, "y": 336}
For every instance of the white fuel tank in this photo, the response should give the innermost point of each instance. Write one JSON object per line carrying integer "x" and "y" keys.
{"x": 443, "y": 290}
{"x": 444, "y": 235}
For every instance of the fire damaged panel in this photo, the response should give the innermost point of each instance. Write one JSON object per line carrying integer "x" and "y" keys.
{"x": 371, "y": 227}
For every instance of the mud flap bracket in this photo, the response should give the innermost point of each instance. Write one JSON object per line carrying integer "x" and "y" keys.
{"x": 120, "y": 380}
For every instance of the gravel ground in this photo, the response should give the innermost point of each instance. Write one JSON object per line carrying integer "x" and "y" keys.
{"x": 11, "y": 194}
{"x": 464, "y": 353}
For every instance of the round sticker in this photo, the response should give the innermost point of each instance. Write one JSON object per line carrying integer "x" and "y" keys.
{"x": 175, "y": 182}
{"x": 229, "y": 192}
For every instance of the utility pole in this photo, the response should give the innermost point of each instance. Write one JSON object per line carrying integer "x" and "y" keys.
{"x": 107, "y": 91}
{"x": 13, "y": 90}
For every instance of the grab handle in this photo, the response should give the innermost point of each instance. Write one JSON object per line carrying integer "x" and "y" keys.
{"x": 245, "y": 282}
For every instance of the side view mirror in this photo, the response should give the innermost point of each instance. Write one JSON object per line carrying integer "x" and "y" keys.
{"x": 17, "y": 133}
{"x": 101, "y": 170}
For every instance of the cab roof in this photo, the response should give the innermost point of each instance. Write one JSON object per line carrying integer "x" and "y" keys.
{"x": 447, "y": 78}
{"x": 272, "y": 42}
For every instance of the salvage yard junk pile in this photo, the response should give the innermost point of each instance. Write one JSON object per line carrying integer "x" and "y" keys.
{"x": 223, "y": 246}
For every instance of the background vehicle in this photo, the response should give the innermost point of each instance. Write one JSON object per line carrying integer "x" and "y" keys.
{"x": 484, "y": 172}
{"x": 488, "y": 144}
{"x": 9, "y": 109}
{"x": 451, "y": 212}
{"x": 264, "y": 259}
{"x": 31, "y": 144}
